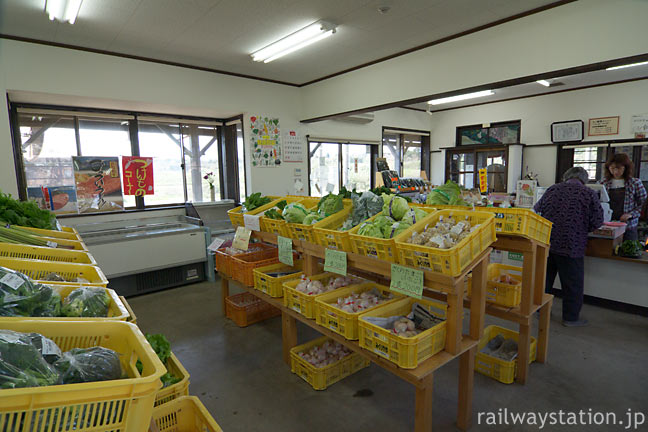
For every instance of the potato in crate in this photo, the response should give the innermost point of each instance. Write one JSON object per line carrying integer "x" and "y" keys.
{"x": 246, "y": 309}
{"x": 300, "y": 294}
{"x": 497, "y": 353}
{"x": 387, "y": 332}
{"x": 323, "y": 362}
{"x": 339, "y": 310}
{"x": 270, "y": 279}
{"x": 504, "y": 285}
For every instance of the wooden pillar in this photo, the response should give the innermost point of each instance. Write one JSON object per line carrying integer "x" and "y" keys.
{"x": 542, "y": 252}
{"x": 528, "y": 280}
{"x": 310, "y": 264}
{"x": 423, "y": 405}
{"x": 523, "y": 353}
{"x": 454, "y": 319}
{"x": 543, "y": 331}
{"x": 466, "y": 381}
{"x": 478, "y": 299}
{"x": 224, "y": 292}
{"x": 288, "y": 334}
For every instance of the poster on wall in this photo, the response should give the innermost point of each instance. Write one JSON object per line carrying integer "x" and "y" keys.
{"x": 138, "y": 175}
{"x": 265, "y": 142}
{"x": 640, "y": 125}
{"x": 58, "y": 199}
{"x": 293, "y": 147}
{"x": 98, "y": 184}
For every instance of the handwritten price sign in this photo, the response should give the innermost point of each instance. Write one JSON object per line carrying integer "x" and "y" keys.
{"x": 335, "y": 261}
{"x": 285, "y": 250}
{"x": 407, "y": 281}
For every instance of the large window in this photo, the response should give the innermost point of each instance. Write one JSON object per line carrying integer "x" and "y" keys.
{"x": 463, "y": 165}
{"x": 406, "y": 153}
{"x": 335, "y": 164}
{"x": 184, "y": 150}
{"x": 592, "y": 156}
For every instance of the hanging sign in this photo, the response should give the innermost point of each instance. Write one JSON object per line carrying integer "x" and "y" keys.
{"x": 251, "y": 222}
{"x": 242, "y": 238}
{"x": 285, "y": 250}
{"x": 138, "y": 175}
{"x": 98, "y": 183}
{"x": 217, "y": 243}
{"x": 335, "y": 261}
{"x": 483, "y": 180}
{"x": 407, "y": 281}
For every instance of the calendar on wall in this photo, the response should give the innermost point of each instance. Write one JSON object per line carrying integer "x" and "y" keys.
{"x": 293, "y": 146}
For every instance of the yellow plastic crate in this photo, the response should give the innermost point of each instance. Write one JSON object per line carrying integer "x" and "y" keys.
{"x": 321, "y": 378}
{"x": 501, "y": 370}
{"x": 297, "y": 231}
{"x": 521, "y": 222}
{"x": 326, "y": 231}
{"x": 304, "y": 303}
{"x": 132, "y": 318}
{"x": 501, "y": 293}
{"x": 278, "y": 226}
{"x": 407, "y": 353}
{"x": 273, "y": 286}
{"x": 185, "y": 414}
{"x": 453, "y": 261}
{"x": 125, "y": 404}
{"x": 236, "y": 217}
{"x": 177, "y": 390}
{"x": 328, "y": 315}
{"x": 28, "y": 252}
{"x": 117, "y": 311}
{"x": 53, "y": 233}
{"x": 37, "y": 270}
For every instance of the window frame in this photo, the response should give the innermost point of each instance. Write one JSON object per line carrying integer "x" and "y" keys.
{"x": 400, "y": 134}
{"x": 225, "y": 164}
{"x": 474, "y": 150}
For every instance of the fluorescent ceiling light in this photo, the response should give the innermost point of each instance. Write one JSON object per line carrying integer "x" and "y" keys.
{"x": 627, "y": 66}
{"x": 298, "y": 40}
{"x": 63, "y": 10}
{"x": 461, "y": 97}
{"x": 544, "y": 83}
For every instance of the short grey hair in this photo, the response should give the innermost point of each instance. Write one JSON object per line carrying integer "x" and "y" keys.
{"x": 578, "y": 173}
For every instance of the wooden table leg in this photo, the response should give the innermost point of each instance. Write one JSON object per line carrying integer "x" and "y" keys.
{"x": 528, "y": 280}
{"x": 540, "y": 273}
{"x": 423, "y": 405}
{"x": 454, "y": 319}
{"x": 478, "y": 299}
{"x": 523, "y": 354}
{"x": 310, "y": 265}
{"x": 466, "y": 380}
{"x": 543, "y": 332}
{"x": 288, "y": 335}
{"x": 224, "y": 292}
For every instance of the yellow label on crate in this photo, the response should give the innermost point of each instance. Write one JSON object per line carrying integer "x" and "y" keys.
{"x": 296, "y": 307}
{"x": 381, "y": 350}
{"x": 333, "y": 324}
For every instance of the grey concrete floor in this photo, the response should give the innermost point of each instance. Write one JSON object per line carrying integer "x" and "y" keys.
{"x": 241, "y": 378}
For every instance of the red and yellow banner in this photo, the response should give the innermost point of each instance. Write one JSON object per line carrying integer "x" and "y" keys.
{"x": 483, "y": 180}
{"x": 138, "y": 175}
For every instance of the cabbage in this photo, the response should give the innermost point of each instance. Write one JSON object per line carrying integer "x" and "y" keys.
{"x": 447, "y": 194}
{"x": 330, "y": 204}
{"x": 370, "y": 229}
{"x": 414, "y": 215}
{"x": 397, "y": 228}
{"x": 312, "y": 219}
{"x": 394, "y": 206}
{"x": 294, "y": 213}
{"x": 384, "y": 223}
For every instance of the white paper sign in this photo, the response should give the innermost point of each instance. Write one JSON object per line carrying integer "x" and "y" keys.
{"x": 52, "y": 244}
{"x": 252, "y": 222}
{"x": 12, "y": 280}
{"x": 216, "y": 244}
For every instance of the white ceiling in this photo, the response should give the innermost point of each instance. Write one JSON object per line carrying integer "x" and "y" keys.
{"x": 220, "y": 34}
{"x": 557, "y": 84}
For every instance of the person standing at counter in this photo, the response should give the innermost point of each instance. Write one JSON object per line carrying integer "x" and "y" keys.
{"x": 627, "y": 194}
{"x": 575, "y": 210}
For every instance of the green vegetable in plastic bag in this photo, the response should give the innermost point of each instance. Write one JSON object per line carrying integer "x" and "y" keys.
{"x": 20, "y": 296}
{"x": 330, "y": 204}
{"x": 397, "y": 228}
{"x": 414, "y": 215}
{"x": 370, "y": 229}
{"x": 22, "y": 364}
{"x": 394, "y": 206}
{"x": 447, "y": 194}
{"x": 294, "y": 213}
{"x": 312, "y": 219}
{"x": 87, "y": 302}
{"x": 80, "y": 365}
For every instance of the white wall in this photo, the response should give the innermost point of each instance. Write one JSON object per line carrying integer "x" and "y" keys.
{"x": 537, "y": 114}
{"x": 575, "y": 34}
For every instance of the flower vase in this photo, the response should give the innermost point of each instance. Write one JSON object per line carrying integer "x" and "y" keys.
{"x": 212, "y": 193}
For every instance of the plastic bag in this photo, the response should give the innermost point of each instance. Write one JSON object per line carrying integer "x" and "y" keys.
{"x": 81, "y": 365}
{"x": 21, "y": 361}
{"x": 20, "y": 296}
{"x": 87, "y": 302}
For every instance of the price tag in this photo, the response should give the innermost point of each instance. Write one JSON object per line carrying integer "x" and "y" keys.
{"x": 242, "y": 238}
{"x": 285, "y": 250}
{"x": 251, "y": 222}
{"x": 407, "y": 281}
{"x": 52, "y": 244}
{"x": 12, "y": 280}
{"x": 335, "y": 261}
{"x": 216, "y": 244}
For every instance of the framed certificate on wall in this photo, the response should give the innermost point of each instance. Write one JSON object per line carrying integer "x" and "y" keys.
{"x": 567, "y": 131}
{"x": 603, "y": 126}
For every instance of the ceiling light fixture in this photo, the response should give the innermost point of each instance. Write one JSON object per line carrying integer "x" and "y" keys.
{"x": 627, "y": 66}
{"x": 63, "y": 10}
{"x": 295, "y": 41}
{"x": 461, "y": 97}
{"x": 544, "y": 83}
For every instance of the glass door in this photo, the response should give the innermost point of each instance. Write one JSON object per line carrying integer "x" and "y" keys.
{"x": 411, "y": 150}
{"x": 356, "y": 166}
{"x": 495, "y": 164}
{"x": 324, "y": 163}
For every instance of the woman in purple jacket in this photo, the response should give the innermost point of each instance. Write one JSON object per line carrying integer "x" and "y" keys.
{"x": 627, "y": 194}
{"x": 575, "y": 210}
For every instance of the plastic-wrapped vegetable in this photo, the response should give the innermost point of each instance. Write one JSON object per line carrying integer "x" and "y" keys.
{"x": 87, "y": 302}
{"x": 330, "y": 204}
{"x": 394, "y": 206}
{"x": 370, "y": 229}
{"x": 20, "y": 296}
{"x": 21, "y": 362}
{"x": 447, "y": 194}
{"x": 414, "y": 215}
{"x": 312, "y": 219}
{"x": 396, "y": 228}
{"x": 294, "y": 213}
{"x": 81, "y": 365}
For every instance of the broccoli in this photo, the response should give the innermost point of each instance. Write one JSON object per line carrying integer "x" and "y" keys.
{"x": 87, "y": 302}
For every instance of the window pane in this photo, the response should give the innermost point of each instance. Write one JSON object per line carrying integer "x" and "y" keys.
{"x": 356, "y": 163}
{"x": 411, "y": 156}
{"x": 644, "y": 153}
{"x": 324, "y": 174}
{"x": 106, "y": 137}
{"x": 201, "y": 157}
{"x": 162, "y": 142}
{"x": 504, "y": 134}
{"x": 48, "y": 144}
{"x": 462, "y": 162}
{"x": 629, "y": 150}
{"x": 390, "y": 151}
{"x": 240, "y": 148}
{"x": 466, "y": 180}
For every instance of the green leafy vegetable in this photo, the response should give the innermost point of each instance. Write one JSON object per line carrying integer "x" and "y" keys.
{"x": 22, "y": 364}
{"x": 630, "y": 249}
{"x": 312, "y": 219}
{"x": 394, "y": 206}
{"x": 253, "y": 201}
{"x": 25, "y": 213}
{"x": 370, "y": 229}
{"x": 162, "y": 348}
{"x": 447, "y": 194}
{"x": 80, "y": 365}
{"x": 330, "y": 204}
{"x": 414, "y": 215}
{"x": 87, "y": 302}
{"x": 294, "y": 213}
{"x": 273, "y": 213}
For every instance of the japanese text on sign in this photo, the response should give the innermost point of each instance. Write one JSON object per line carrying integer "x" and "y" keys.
{"x": 407, "y": 281}
{"x": 483, "y": 180}
{"x": 138, "y": 175}
{"x": 251, "y": 222}
{"x": 335, "y": 261}
{"x": 285, "y": 250}
{"x": 242, "y": 238}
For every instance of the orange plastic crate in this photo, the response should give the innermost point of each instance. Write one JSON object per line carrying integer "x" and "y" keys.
{"x": 246, "y": 309}
{"x": 242, "y": 266}
{"x": 222, "y": 260}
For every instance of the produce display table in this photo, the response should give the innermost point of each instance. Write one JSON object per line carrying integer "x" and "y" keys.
{"x": 449, "y": 289}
